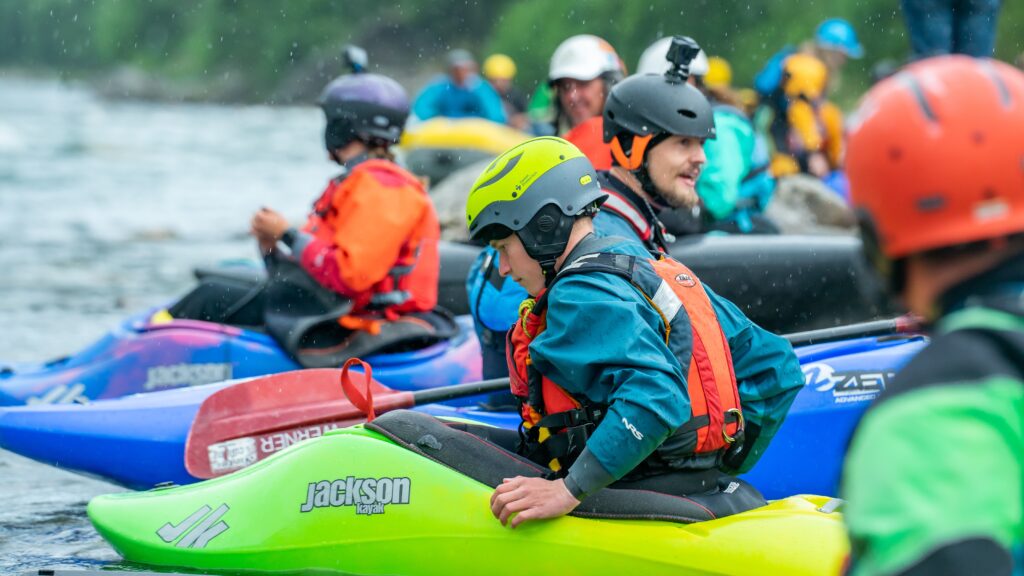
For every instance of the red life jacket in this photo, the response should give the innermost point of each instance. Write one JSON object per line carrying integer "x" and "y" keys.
{"x": 679, "y": 298}
{"x": 406, "y": 284}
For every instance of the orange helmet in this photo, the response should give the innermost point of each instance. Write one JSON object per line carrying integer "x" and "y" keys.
{"x": 935, "y": 155}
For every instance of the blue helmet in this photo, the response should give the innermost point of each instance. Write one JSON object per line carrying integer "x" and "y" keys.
{"x": 838, "y": 34}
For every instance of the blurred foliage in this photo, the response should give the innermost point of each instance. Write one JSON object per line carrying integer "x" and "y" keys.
{"x": 263, "y": 43}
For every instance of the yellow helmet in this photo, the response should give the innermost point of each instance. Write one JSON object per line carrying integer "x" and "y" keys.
{"x": 719, "y": 73}
{"x": 499, "y": 67}
{"x": 536, "y": 190}
{"x": 804, "y": 75}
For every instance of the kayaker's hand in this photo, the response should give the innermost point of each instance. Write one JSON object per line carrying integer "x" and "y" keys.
{"x": 268, "y": 226}
{"x": 531, "y": 499}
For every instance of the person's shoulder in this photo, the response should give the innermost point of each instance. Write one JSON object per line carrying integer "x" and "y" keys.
{"x": 482, "y": 85}
{"x": 608, "y": 223}
{"x": 387, "y": 173}
{"x": 955, "y": 358}
{"x": 600, "y": 284}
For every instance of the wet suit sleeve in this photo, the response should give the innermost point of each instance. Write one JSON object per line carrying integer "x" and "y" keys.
{"x": 603, "y": 342}
{"x": 374, "y": 222}
{"x": 933, "y": 482}
{"x": 768, "y": 377}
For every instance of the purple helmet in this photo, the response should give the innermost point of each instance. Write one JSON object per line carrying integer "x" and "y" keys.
{"x": 368, "y": 107}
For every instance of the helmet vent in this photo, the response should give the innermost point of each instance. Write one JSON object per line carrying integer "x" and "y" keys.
{"x": 1004, "y": 91}
{"x": 545, "y": 223}
{"x": 922, "y": 101}
{"x": 611, "y": 115}
{"x": 687, "y": 113}
{"x": 931, "y": 203}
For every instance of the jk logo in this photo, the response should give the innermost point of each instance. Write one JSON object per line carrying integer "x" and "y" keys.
{"x": 62, "y": 394}
{"x": 198, "y": 529}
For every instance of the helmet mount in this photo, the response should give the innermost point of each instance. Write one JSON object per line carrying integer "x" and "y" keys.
{"x": 680, "y": 55}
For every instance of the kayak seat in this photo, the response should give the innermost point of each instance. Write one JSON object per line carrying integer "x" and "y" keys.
{"x": 324, "y": 344}
{"x": 488, "y": 463}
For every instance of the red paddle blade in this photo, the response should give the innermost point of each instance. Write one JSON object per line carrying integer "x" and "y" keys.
{"x": 242, "y": 424}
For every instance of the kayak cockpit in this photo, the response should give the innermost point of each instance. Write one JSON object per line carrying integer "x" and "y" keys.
{"x": 487, "y": 462}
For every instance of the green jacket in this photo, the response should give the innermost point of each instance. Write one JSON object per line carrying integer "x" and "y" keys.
{"x": 934, "y": 477}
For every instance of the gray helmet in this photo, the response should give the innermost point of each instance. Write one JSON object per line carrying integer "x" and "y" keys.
{"x": 367, "y": 107}
{"x": 657, "y": 106}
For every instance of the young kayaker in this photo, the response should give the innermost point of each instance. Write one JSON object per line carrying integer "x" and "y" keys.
{"x": 675, "y": 156}
{"x": 366, "y": 257}
{"x": 629, "y": 371}
{"x": 934, "y": 477}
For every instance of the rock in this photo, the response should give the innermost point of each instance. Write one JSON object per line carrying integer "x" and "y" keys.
{"x": 804, "y": 205}
{"x": 450, "y": 199}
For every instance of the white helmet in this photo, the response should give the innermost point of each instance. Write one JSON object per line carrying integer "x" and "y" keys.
{"x": 585, "y": 57}
{"x": 654, "y": 61}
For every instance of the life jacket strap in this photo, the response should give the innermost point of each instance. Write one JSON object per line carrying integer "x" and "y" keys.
{"x": 557, "y": 440}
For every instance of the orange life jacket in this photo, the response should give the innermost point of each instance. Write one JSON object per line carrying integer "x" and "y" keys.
{"x": 386, "y": 231}
{"x": 553, "y": 415}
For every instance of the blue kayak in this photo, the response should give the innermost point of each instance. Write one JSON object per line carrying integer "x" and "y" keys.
{"x": 141, "y": 355}
{"x": 139, "y": 441}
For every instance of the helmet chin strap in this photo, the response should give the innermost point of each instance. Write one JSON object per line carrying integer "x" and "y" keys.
{"x": 547, "y": 266}
{"x": 647, "y": 185}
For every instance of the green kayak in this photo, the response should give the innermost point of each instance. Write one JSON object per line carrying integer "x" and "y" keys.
{"x": 407, "y": 495}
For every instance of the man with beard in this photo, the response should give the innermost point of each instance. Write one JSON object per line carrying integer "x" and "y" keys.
{"x": 656, "y": 126}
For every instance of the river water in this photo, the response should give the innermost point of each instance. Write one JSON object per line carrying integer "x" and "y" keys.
{"x": 105, "y": 208}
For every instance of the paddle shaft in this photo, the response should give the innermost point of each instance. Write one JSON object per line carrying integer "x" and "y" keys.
{"x": 444, "y": 393}
{"x": 898, "y": 325}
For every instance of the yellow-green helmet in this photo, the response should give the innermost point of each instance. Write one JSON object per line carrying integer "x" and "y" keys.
{"x": 536, "y": 190}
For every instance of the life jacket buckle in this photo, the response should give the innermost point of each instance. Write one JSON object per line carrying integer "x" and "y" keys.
{"x": 739, "y": 428}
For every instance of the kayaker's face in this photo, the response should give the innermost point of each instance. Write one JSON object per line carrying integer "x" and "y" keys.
{"x": 675, "y": 165}
{"x": 515, "y": 262}
{"x": 581, "y": 99}
{"x": 461, "y": 74}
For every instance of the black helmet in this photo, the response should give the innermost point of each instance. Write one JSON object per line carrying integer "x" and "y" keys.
{"x": 646, "y": 108}
{"x": 368, "y": 107}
